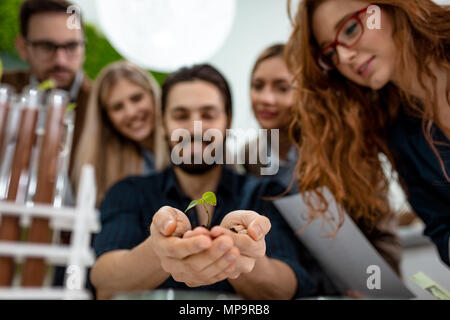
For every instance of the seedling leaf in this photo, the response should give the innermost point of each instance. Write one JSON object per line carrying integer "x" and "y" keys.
{"x": 210, "y": 198}
{"x": 191, "y": 205}
{"x": 207, "y": 197}
{"x": 71, "y": 107}
{"x": 47, "y": 85}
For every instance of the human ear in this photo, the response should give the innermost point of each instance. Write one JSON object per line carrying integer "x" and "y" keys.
{"x": 21, "y": 47}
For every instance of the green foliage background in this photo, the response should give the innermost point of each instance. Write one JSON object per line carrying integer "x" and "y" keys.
{"x": 99, "y": 51}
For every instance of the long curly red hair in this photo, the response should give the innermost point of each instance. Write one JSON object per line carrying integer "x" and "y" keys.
{"x": 340, "y": 127}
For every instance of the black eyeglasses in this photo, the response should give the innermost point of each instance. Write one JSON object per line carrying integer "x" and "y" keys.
{"x": 47, "y": 49}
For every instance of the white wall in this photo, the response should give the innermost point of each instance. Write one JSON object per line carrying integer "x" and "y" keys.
{"x": 257, "y": 24}
{"x": 88, "y": 11}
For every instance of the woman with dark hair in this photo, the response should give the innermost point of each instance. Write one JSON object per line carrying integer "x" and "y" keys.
{"x": 373, "y": 78}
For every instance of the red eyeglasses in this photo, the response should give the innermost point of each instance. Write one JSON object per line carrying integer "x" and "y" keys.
{"x": 348, "y": 35}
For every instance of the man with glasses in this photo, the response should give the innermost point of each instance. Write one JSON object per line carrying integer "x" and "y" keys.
{"x": 54, "y": 48}
{"x": 53, "y": 45}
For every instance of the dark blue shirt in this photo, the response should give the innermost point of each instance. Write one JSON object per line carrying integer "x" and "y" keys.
{"x": 428, "y": 190}
{"x": 128, "y": 208}
{"x": 149, "y": 162}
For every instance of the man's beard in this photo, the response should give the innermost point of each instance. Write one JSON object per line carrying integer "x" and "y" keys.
{"x": 196, "y": 169}
{"x": 65, "y": 86}
{"x": 199, "y": 168}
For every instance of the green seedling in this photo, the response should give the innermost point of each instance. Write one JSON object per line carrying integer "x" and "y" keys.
{"x": 71, "y": 107}
{"x": 47, "y": 85}
{"x": 207, "y": 198}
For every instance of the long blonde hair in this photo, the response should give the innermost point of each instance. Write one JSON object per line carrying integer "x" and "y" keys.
{"x": 114, "y": 156}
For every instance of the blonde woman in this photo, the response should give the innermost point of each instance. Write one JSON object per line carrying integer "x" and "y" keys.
{"x": 123, "y": 135}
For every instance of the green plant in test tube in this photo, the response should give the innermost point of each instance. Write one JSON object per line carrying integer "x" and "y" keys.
{"x": 47, "y": 85}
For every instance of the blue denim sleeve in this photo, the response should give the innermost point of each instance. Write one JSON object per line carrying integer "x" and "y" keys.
{"x": 121, "y": 222}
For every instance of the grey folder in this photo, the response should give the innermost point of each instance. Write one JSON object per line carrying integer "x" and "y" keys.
{"x": 347, "y": 258}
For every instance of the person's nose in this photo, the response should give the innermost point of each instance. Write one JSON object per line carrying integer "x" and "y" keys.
{"x": 196, "y": 126}
{"x": 267, "y": 96}
{"x": 345, "y": 55}
{"x": 131, "y": 111}
{"x": 61, "y": 57}
{"x": 195, "y": 122}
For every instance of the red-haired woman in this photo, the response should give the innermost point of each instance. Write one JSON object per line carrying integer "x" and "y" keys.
{"x": 373, "y": 78}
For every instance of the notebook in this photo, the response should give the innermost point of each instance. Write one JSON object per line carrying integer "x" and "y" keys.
{"x": 349, "y": 259}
